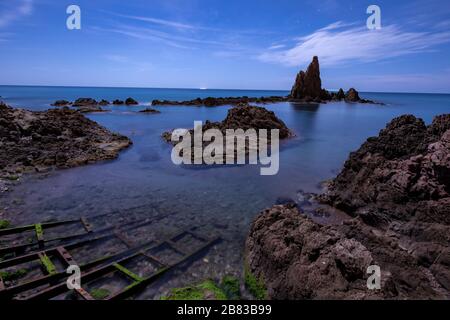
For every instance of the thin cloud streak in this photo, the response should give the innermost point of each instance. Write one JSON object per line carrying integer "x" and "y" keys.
{"x": 338, "y": 44}
{"x": 162, "y": 22}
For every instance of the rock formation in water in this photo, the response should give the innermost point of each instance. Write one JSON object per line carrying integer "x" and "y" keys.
{"x": 84, "y": 102}
{"x": 61, "y": 103}
{"x": 118, "y": 102}
{"x": 150, "y": 111}
{"x": 352, "y": 95}
{"x": 88, "y": 105}
{"x": 397, "y": 189}
{"x": 243, "y": 117}
{"x": 308, "y": 85}
{"x": 246, "y": 117}
{"x": 34, "y": 141}
{"x": 308, "y": 88}
{"x": 214, "y": 102}
{"x": 131, "y": 102}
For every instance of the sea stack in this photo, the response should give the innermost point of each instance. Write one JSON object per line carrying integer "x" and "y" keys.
{"x": 308, "y": 84}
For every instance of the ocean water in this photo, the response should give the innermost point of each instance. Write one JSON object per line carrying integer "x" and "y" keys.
{"x": 225, "y": 199}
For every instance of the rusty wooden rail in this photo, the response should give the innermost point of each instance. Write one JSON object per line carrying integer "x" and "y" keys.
{"x": 138, "y": 282}
{"x": 62, "y": 252}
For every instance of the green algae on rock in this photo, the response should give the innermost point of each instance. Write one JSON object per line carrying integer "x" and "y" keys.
{"x": 206, "y": 290}
{"x": 256, "y": 286}
{"x": 100, "y": 294}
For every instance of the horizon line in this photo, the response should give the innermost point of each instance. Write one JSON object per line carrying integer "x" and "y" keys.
{"x": 205, "y": 89}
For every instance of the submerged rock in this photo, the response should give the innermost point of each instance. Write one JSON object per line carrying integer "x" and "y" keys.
{"x": 90, "y": 109}
{"x": 55, "y": 138}
{"x": 397, "y": 189}
{"x": 150, "y": 111}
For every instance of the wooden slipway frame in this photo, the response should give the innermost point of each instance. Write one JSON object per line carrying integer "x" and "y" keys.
{"x": 53, "y": 282}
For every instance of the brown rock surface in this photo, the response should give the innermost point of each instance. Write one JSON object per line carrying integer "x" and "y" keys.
{"x": 300, "y": 259}
{"x": 55, "y": 138}
{"x": 396, "y": 188}
{"x": 308, "y": 84}
{"x": 243, "y": 117}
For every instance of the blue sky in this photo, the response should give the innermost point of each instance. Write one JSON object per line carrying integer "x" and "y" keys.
{"x": 255, "y": 44}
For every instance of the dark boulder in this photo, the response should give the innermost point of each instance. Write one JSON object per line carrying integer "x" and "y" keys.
{"x": 340, "y": 94}
{"x": 61, "y": 103}
{"x": 118, "y": 102}
{"x": 352, "y": 95}
{"x": 104, "y": 102}
{"x": 83, "y": 102}
{"x": 150, "y": 111}
{"x": 131, "y": 101}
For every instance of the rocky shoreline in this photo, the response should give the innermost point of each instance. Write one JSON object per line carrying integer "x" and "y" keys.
{"x": 58, "y": 138}
{"x": 397, "y": 189}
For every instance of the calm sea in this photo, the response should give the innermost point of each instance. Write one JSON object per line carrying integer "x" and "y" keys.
{"x": 227, "y": 198}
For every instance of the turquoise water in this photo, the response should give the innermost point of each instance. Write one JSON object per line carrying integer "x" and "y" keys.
{"x": 226, "y": 197}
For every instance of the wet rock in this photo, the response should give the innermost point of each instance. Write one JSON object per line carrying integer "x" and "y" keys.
{"x": 85, "y": 102}
{"x": 150, "y": 111}
{"x": 60, "y": 103}
{"x": 396, "y": 186}
{"x": 104, "y": 102}
{"x": 55, "y": 138}
{"x": 398, "y": 175}
{"x": 131, "y": 101}
{"x": 90, "y": 109}
{"x": 300, "y": 259}
{"x": 242, "y": 117}
{"x": 118, "y": 102}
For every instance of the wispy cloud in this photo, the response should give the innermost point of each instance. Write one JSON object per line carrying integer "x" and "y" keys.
{"x": 339, "y": 43}
{"x": 173, "y": 39}
{"x": 161, "y": 22}
{"x": 13, "y": 10}
{"x": 277, "y": 46}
